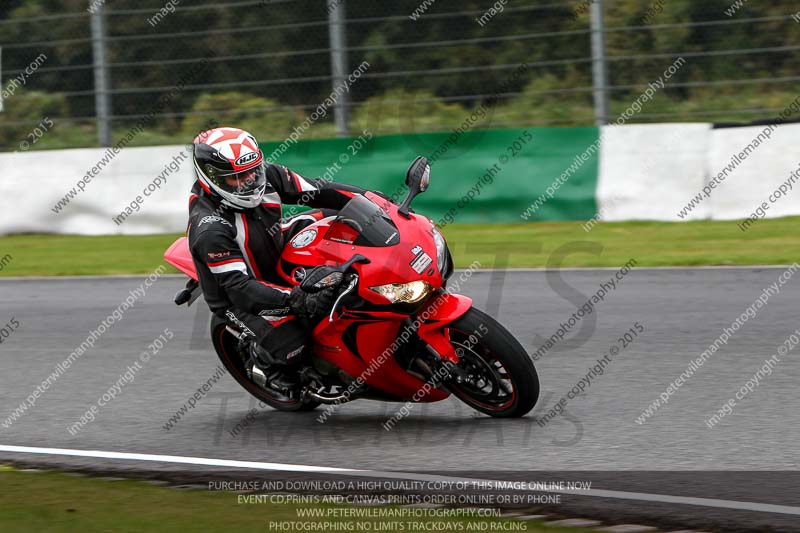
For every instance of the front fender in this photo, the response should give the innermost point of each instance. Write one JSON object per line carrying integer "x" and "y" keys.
{"x": 436, "y": 315}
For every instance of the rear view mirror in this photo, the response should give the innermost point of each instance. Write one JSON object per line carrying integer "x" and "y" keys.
{"x": 418, "y": 178}
{"x": 419, "y": 174}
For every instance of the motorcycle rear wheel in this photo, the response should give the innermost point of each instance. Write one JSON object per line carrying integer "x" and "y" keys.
{"x": 502, "y": 380}
{"x": 226, "y": 346}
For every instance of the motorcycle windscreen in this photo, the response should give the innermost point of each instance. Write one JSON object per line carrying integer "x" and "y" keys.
{"x": 362, "y": 223}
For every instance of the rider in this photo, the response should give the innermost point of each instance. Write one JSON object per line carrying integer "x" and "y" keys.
{"x": 236, "y": 236}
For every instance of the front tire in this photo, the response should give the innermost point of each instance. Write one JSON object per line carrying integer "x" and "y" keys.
{"x": 503, "y": 381}
{"x": 226, "y": 346}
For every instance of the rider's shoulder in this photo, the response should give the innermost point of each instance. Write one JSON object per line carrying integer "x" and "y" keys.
{"x": 214, "y": 222}
{"x": 205, "y": 218}
{"x": 276, "y": 172}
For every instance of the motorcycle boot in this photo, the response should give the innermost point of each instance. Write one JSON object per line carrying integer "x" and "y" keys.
{"x": 279, "y": 373}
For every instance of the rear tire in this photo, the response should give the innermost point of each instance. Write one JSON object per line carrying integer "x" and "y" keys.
{"x": 505, "y": 384}
{"x": 226, "y": 346}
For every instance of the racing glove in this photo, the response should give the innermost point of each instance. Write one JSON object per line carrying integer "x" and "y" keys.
{"x": 311, "y": 305}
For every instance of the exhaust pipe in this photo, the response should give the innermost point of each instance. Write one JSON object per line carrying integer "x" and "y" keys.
{"x": 258, "y": 376}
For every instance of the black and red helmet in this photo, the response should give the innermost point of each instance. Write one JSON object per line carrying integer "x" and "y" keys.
{"x": 229, "y": 164}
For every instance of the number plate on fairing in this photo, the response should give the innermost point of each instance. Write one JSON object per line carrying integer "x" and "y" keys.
{"x": 421, "y": 262}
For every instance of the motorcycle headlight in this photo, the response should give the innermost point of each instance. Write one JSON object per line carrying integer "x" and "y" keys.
{"x": 404, "y": 292}
{"x": 441, "y": 249}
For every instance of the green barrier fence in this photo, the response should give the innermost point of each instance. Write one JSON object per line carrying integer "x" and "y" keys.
{"x": 476, "y": 176}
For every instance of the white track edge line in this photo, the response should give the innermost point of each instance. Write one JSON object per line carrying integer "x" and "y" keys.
{"x": 254, "y": 465}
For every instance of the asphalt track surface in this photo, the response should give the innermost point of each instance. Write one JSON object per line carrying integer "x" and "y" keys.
{"x": 750, "y": 456}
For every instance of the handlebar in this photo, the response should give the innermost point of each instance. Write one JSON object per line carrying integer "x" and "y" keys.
{"x": 323, "y": 277}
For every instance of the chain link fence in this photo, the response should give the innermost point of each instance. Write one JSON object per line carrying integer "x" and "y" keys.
{"x": 96, "y": 68}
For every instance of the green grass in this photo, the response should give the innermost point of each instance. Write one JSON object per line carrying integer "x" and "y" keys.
{"x": 52, "y": 502}
{"x": 555, "y": 244}
{"x": 74, "y": 255}
{"x": 566, "y": 244}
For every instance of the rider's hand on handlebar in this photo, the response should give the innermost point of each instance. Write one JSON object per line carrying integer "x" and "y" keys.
{"x": 311, "y": 305}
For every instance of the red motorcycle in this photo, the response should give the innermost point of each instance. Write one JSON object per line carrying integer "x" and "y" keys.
{"x": 394, "y": 333}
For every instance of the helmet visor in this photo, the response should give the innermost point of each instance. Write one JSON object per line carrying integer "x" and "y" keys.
{"x": 243, "y": 183}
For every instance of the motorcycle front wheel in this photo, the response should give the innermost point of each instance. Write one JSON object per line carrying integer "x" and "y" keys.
{"x": 501, "y": 379}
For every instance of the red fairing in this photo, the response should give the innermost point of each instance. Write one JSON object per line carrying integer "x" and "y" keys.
{"x": 373, "y": 334}
{"x": 375, "y": 364}
{"x": 179, "y": 256}
{"x": 389, "y": 264}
